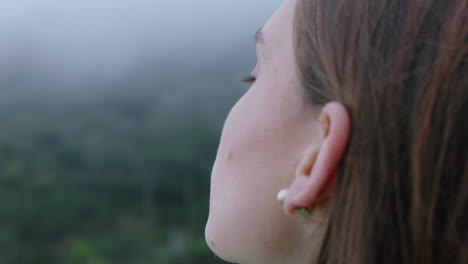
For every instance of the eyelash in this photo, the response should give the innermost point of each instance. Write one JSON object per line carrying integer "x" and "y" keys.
{"x": 250, "y": 79}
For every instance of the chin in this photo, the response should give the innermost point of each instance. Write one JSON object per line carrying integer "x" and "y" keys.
{"x": 217, "y": 244}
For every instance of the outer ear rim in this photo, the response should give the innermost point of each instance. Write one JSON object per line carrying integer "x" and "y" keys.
{"x": 308, "y": 190}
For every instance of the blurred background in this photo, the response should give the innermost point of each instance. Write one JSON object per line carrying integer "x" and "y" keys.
{"x": 110, "y": 114}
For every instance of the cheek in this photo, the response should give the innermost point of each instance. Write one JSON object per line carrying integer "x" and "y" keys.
{"x": 249, "y": 170}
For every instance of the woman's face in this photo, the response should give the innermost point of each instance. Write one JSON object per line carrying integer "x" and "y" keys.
{"x": 263, "y": 139}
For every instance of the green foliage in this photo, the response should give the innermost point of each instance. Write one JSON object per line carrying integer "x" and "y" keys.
{"x": 116, "y": 177}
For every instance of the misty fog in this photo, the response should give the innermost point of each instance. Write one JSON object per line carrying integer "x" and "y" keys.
{"x": 111, "y": 113}
{"x": 75, "y": 40}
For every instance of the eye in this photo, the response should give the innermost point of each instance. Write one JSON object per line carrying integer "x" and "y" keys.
{"x": 250, "y": 79}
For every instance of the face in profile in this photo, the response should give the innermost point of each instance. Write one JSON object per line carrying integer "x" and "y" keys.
{"x": 261, "y": 146}
{"x": 274, "y": 138}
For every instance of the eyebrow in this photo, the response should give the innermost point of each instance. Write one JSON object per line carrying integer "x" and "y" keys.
{"x": 259, "y": 37}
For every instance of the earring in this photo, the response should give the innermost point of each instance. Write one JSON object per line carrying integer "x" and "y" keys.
{"x": 304, "y": 211}
{"x": 282, "y": 196}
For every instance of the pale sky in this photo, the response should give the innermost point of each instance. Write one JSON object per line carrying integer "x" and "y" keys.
{"x": 107, "y": 36}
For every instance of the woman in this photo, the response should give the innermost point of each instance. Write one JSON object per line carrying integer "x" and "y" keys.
{"x": 358, "y": 109}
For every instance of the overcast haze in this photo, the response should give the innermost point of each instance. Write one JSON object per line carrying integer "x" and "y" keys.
{"x": 106, "y": 37}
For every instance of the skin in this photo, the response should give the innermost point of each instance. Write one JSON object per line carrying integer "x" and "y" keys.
{"x": 272, "y": 140}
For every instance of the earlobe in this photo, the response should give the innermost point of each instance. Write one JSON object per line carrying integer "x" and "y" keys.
{"x": 316, "y": 172}
{"x": 297, "y": 195}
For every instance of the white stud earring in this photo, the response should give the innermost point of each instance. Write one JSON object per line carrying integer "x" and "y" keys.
{"x": 282, "y": 196}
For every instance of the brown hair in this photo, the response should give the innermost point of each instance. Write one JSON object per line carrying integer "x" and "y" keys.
{"x": 401, "y": 69}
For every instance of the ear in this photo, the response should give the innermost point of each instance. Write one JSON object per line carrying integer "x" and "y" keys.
{"x": 315, "y": 175}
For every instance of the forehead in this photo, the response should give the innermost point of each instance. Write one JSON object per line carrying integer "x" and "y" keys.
{"x": 279, "y": 29}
